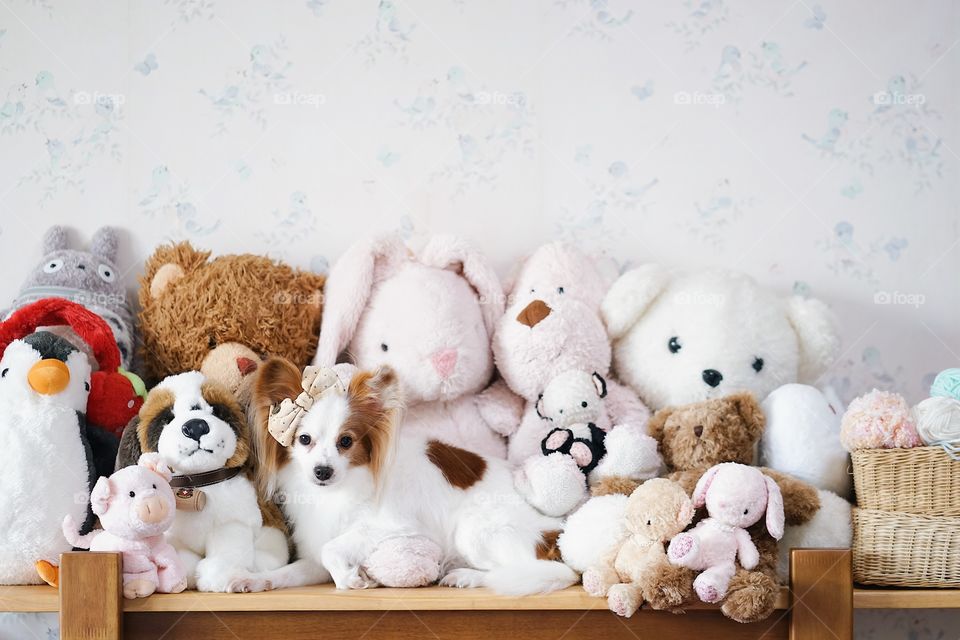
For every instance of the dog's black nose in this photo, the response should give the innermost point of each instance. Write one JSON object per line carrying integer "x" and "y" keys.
{"x": 712, "y": 377}
{"x": 195, "y": 429}
{"x": 323, "y": 473}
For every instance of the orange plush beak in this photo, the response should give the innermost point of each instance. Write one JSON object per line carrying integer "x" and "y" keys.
{"x": 49, "y": 376}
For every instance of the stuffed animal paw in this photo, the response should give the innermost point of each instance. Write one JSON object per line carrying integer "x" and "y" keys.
{"x": 553, "y": 484}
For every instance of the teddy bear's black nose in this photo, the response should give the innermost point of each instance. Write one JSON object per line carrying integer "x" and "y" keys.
{"x": 712, "y": 377}
{"x": 698, "y": 430}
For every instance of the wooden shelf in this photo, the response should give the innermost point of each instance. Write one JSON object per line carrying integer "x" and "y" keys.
{"x": 893, "y": 598}
{"x": 29, "y": 599}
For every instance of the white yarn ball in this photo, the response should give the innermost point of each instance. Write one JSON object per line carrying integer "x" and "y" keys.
{"x": 938, "y": 419}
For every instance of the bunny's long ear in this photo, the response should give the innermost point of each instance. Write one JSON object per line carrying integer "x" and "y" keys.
{"x": 817, "y": 334}
{"x": 703, "y": 485}
{"x": 775, "y": 517}
{"x": 348, "y": 289}
{"x": 630, "y": 296}
{"x": 450, "y": 252}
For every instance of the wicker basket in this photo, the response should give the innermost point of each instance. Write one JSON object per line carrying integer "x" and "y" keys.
{"x": 922, "y": 480}
{"x": 905, "y": 550}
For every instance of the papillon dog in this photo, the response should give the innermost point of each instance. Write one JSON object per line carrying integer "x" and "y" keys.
{"x": 347, "y": 482}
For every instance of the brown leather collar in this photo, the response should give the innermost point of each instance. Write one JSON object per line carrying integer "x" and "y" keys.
{"x": 196, "y": 480}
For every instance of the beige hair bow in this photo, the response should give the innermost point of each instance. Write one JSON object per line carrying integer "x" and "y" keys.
{"x": 285, "y": 417}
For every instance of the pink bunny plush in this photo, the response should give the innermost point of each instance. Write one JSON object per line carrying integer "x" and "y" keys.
{"x": 429, "y": 316}
{"x": 553, "y": 326}
{"x": 736, "y": 497}
{"x": 135, "y": 506}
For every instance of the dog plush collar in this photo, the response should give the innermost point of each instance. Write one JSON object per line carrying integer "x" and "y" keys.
{"x": 286, "y": 416}
{"x": 197, "y": 480}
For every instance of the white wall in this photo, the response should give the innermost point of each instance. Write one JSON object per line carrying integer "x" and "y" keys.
{"x": 744, "y": 134}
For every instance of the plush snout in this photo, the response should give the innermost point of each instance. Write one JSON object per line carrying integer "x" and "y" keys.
{"x": 444, "y": 362}
{"x": 151, "y": 509}
{"x": 533, "y": 313}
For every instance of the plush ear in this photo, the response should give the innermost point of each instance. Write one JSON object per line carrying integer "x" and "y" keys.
{"x": 450, "y": 252}
{"x": 657, "y": 421}
{"x": 686, "y": 512}
{"x": 55, "y": 239}
{"x": 750, "y": 412}
{"x": 600, "y": 384}
{"x": 630, "y": 296}
{"x": 539, "y": 407}
{"x": 155, "y": 463}
{"x": 129, "y": 452}
{"x": 100, "y": 496}
{"x": 348, "y": 290}
{"x": 105, "y": 243}
{"x": 775, "y": 516}
{"x": 817, "y": 335}
{"x": 168, "y": 264}
{"x": 703, "y": 485}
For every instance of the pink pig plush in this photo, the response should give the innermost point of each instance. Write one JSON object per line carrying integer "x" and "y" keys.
{"x": 736, "y": 497}
{"x": 135, "y": 506}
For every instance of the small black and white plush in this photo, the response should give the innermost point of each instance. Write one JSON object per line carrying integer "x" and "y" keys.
{"x": 197, "y": 427}
{"x": 89, "y": 278}
{"x": 48, "y": 469}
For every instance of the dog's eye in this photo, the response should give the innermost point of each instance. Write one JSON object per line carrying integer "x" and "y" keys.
{"x": 560, "y": 290}
{"x": 345, "y": 442}
{"x": 304, "y": 439}
{"x": 584, "y": 404}
{"x": 384, "y": 347}
{"x": 221, "y": 412}
{"x": 674, "y": 344}
{"x": 195, "y": 407}
{"x": 757, "y": 364}
{"x": 211, "y": 342}
{"x": 133, "y": 495}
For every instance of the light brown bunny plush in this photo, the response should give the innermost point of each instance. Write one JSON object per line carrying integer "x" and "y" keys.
{"x": 632, "y": 572}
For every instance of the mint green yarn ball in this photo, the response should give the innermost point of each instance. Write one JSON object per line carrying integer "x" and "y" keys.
{"x": 947, "y": 384}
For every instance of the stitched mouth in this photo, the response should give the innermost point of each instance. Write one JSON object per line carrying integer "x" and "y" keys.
{"x": 198, "y": 449}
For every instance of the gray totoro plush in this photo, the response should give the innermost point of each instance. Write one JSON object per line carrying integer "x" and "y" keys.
{"x": 88, "y": 278}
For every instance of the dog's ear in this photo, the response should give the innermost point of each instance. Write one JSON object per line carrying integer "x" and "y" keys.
{"x": 129, "y": 452}
{"x": 276, "y": 380}
{"x": 376, "y": 399}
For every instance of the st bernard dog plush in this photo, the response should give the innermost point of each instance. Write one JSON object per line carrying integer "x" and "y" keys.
{"x": 222, "y": 532}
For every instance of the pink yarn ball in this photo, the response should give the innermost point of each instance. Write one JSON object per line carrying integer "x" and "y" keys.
{"x": 878, "y": 420}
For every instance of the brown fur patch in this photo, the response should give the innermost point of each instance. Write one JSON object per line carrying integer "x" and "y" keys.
{"x": 614, "y": 485}
{"x": 460, "y": 467}
{"x": 547, "y": 548}
{"x": 226, "y": 408}
{"x": 374, "y": 410}
{"x": 158, "y": 403}
{"x": 276, "y": 380}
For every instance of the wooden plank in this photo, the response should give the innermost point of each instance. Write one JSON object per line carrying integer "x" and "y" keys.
{"x": 29, "y": 599}
{"x": 441, "y": 625}
{"x": 821, "y": 590}
{"x": 91, "y": 596}
{"x": 898, "y": 598}
{"x": 327, "y": 598}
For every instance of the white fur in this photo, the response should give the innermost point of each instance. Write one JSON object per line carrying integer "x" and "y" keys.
{"x": 830, "y": 528}
{"x": 592, "y": 530}
{"x": 226, "y": 541}
{"x": 44, "y": 476}
{"x": 488, "y": 533}
{"x": 802, "y": 438}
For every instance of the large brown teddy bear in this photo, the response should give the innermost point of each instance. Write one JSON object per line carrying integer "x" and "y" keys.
{"x": 223, "y": 316}
{"x": 697, "y": 436}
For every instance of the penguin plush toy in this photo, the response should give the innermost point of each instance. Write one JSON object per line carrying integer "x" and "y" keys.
{"x": 48, "y": 468}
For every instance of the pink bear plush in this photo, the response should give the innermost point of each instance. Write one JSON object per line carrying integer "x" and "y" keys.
{"x": 135, "y": 506}
{"x": 736, "y": 497}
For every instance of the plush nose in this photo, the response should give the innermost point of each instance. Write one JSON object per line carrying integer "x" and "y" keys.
{"x": 48, "y": 376}
{"x": 533, "y": 313}
{"x": 195, "y": 429}
{"x": 712, "y": 377}
{"x": 323, "y": 472}
{"x": 698, "y": 430}
{"x": 152, "y": 510}
{"x": 246, "y": 366}
{"x": 444, "y": 361}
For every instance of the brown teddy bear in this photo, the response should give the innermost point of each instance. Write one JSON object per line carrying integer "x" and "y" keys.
{"x": 636, "y": 569}
{"x": 692, "y": 439}
{"x": 223, "y": 316}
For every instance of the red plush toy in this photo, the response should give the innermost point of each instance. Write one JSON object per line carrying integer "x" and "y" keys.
{"x": 115, "y": 395}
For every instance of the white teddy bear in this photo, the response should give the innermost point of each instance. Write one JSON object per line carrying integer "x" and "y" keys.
{"x": 682, "y": 337}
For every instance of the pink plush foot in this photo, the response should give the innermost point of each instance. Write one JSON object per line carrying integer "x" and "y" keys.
{"x": 707, "y": 592}
{"x": 680, "y": 547}
{"x": 593, "y": 583}
{"x": 622, "y": 600}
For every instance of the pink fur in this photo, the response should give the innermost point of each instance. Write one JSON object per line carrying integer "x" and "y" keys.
{"x": 429, "y": 316}
{"x": 736, "y": 497}
{"x": 878, "y": 420}
{"x": 135, "y": 506}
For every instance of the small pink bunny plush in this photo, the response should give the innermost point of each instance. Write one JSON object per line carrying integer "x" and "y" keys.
{"x": 736, "y": 497}
{"x": 135, "y": 506}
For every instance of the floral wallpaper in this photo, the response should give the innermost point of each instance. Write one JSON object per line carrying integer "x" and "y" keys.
{"x": 811, "y": 143}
